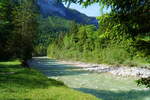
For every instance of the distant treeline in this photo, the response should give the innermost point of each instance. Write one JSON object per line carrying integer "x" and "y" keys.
{"x": 112, "y": 43}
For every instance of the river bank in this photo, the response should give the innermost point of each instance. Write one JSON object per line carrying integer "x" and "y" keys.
{"x": 115, "y": 70}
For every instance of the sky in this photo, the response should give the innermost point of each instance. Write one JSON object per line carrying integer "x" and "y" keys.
{"x": 93, "y": 10}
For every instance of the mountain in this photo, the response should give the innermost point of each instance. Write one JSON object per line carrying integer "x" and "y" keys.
{"x": 55, "y": 8}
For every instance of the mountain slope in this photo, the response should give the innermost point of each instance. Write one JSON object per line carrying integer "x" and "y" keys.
{"x": 54, "y": 8}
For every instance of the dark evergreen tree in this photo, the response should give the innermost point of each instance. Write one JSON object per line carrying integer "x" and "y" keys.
{"x": 24, "y": 21}
{"x": 6, "y": 27}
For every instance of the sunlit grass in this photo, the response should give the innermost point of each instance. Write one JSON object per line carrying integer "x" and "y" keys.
{"x": 18, "y": 83}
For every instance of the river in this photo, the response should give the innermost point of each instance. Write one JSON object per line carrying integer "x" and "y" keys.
{"x": 102, "y": 85}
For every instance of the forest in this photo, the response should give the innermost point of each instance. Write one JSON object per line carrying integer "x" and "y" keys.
{"x": 122, "y": 36}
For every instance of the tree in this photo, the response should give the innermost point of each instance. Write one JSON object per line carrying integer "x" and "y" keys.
{"x": 24, "y": 21}
{"x": 6, "y": 27}
{"x": 134, "y": 13}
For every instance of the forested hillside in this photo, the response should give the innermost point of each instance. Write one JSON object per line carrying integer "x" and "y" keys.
{"x": 49, "y": 29}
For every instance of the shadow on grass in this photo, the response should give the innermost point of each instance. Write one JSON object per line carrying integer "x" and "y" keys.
{"x": 118, "y": 95}
{"x": 17, "y": 76}
{"x": 7, "y": 68}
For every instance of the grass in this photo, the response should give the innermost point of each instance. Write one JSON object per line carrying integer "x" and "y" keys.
{"x": 18, "y": 83}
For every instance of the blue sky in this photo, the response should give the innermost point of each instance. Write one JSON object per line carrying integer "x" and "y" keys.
{"x": 93, "y": 10}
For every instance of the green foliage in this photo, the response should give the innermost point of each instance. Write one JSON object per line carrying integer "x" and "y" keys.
{"x": 133, "y": 13}
{"x": 111, "y": 44}
{"x": 123, "y": 6}
{"x": 6, "y": 26}
{"x": 144, "y": 81}
{"x": 49, "y": 29}
{"x": 17, "y": 29}
{"x": 24, "y": 29}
